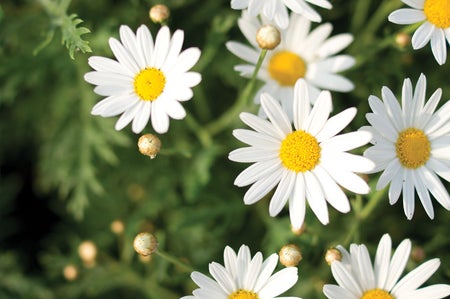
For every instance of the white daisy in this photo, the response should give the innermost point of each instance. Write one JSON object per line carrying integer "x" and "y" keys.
{"x": 301, "y": 54}
{"x": 358, "y": 279}
{"x": 244, "y": 277}
{"x": 306, "y": 163}
{"x": 435, "y": 28}
{"x": 148, "y": 80}
{"x": 411, "y": 145}
{"x": 277, "y": 10}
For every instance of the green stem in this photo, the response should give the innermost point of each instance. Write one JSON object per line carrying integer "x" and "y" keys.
{"x": 174, "y": 260}
{"x": 226, "y": 118}
{"x": 362, "y": 214}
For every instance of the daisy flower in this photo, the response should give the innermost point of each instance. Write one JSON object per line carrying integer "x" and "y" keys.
{"x": 277, "y": 10}
{"x": 301, "y": 54}
{"x": 244, "y": 277}
{"x": 435, "y": 28}
{"x": 148, "y": 80}
{"x": 306, "y": 163}
{"x": 358, "y": 279}
{"x": 411, "y": 145}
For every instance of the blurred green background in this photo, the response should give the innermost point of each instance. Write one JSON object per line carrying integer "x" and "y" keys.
{"x": 67, "y": 177}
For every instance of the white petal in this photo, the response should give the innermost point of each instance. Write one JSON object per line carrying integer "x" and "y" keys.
{"x": 260, "y": 189}
{"x": 334, "y": 45}
{"x": 280, "y": 282}
{"x": 315, "y": 197}
{"x": 439, "y": 46}
{"x": 160, "y": 119}
{"x": 416, "y": 278}
{"x": 398, "y": 263}
{"x": 282, "y": 193}
{"x": 297, "y": 203}
{"x": 276, "y": 114}
{"x": 422, "y": 35}
{"x": 256, "y": 171}
{"x": 301, "y": 104}
{"x": 319, "y": 114}
{"x": 382, "y": 260}
{"x": 335, "y": 124}
{"x": 404, "y": 16}
{"x": 261, "y": 125}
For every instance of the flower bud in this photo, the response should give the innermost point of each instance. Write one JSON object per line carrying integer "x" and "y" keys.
{"x": 70, "y": 272}
{"x": 417, "y": 254}
{"x": 87, "y": 252}
{"x": 402, "y": 39}
{"x": 268, "y": 37}
{"x": 159, "y": 13}
{"x": 332, "y": 255}
{"x": 145, "y": 244}
{"x": 149, "y": 145}
{"x": 117, "y": 227}
{"x": 298, "y": 231}
{"x": 290, "y": 255}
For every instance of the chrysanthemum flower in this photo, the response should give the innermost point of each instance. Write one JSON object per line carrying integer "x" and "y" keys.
{"x": 147, "y": 81}
{"x": 277, "y": 10}
{"x": 411, "y": 145}
{"x": 301, "y": 54}
{"x": 358, "y": 279}
{"x": 306, "y": 163}
{"x": 435, "y": 29}
{"x": 244, "y": 277}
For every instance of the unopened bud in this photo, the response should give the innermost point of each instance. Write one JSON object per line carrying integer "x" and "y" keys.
{"x": 332, "y": 255}
{"x": 149, "y": 145}
{"x": 402, "y": 39}
{"x": 87, "y": 252}
{"x": 298, "y": 230}
{"x": 417, "y": 254}
{"x": 268, "y": 37}
{"x": 159, "y": 13}
{"x": 290, "y": 255}
{"x": 145, "y": 244}
{"x": 117, "y": 227}
{"x": 70, "y": 272}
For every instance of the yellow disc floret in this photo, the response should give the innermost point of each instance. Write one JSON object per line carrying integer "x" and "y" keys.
{"x": 377, "y": 294}
{"x": 286, "y": 68}
{"x": 413, "y": 148}
{"x": 437, "y": 12}
{"x": 149, "y": 84}
{"x": 300, "y": 151}
{"x": 243, "y": 294}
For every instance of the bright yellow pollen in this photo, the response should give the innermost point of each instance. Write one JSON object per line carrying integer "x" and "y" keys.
{"x": 377, "y": 294}
{"x": 149, "y": 84}
{"x": 300, "y": 151}
{"x": 286, "y": 68}
{"x": 437, "y": 12}
{"x": 243, "y": 294}
{"x": 413, "y": 148}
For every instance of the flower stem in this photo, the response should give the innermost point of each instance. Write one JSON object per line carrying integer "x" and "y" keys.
{"x": 226, "y": 118}
{"x": 183, "y": 266}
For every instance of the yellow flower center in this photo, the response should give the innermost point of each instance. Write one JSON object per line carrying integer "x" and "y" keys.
{"x": 149, "y": 84}
{"x": 286, "y": 68}
{"x": 243, "y": 294}
{"x": 437, "y": 12}
{"x": 377, "y": 294}
{"x": 413, "y": 148}
{"x": 300, "y": 151}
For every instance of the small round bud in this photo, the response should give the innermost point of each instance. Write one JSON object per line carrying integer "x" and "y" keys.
{"x": 70, "y": 272}
{"x": 268, "y": 37}
{"x": 117, "y": 227}
{"x": 159, "y": 13}
{"x": 149, "y": 145}
{"x": 145, "y": 244}
{"x": 402, "y": 39}
{"x": 417, "y": 254}
{"x": 332, "y": 255}
{"x": 298, "y": 230}
{"x": 290, "y": 255}
{"x": 87, "y": 252}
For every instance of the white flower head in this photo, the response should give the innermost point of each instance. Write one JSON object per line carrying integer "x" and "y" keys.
{"x": 244, "y": 277}
{"x": 148, "y": 80}
{"x": 358, "y": 279}
{"x": 308, "y": 163}
{"x": 277, "y": 10}
{"x": 435, "y": 15}
{"x": 301, "y": 54}
{"x": 411, "y": 145}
